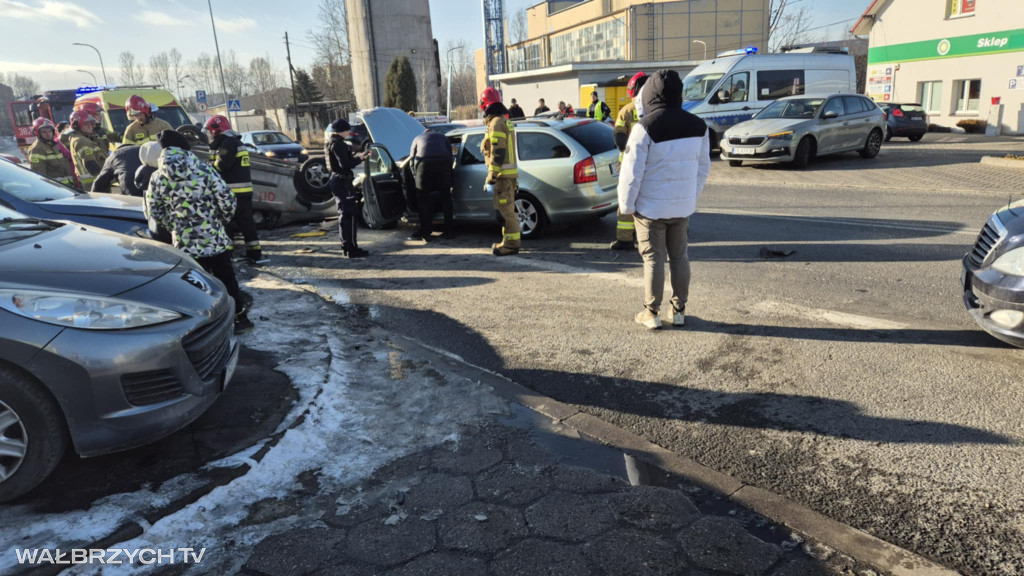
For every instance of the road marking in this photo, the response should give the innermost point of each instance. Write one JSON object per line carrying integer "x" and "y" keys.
{"x": 828, "y": 316}
{"x": 841, "y": 222}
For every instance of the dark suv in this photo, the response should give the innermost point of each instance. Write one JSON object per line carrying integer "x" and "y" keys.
{"x": 905, "y": 120}
{"x": 993, "y": 276}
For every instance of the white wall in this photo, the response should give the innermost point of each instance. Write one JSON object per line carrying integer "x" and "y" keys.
{"x": 527, "y": 92}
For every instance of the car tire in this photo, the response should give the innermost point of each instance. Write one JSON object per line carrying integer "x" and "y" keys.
{"x": 802, "y": 156}
{"x": 735, "y": 163}
{"x": 915, "y": 138}
{"x": 29, "y": 416}
{"x": 312, "y": 181}
{"x": 873, "y": 145}
{"x": 888, "y": 135}
{"x": 714, "y": 141}
{"x": 533, "y": 220}
{"x": 193, "y": 134}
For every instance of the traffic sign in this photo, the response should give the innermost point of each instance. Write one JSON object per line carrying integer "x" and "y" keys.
{"x": 201, "y": 96}
{"x": 201, "y": 106}
{"x": 234, "y": 105}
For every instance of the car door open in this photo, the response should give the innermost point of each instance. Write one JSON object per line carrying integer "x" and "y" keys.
{"x": 383, "y": 198}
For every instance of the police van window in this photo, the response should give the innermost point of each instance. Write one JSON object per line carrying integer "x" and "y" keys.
{"x": 737, "y": 86}
{"x": 775, "y": 84}
{"x": 854, "y": 105}
{"x": 537, "y": 146}
{"x": 834, "y": 105}
{"x": 471, "y": 153}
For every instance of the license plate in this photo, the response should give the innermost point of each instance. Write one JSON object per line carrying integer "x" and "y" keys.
{"x": 614, "y": 167}
{"x": 229, "y": 370}
{"x": 743, "y": 151}
{"x": 917, "y": 117}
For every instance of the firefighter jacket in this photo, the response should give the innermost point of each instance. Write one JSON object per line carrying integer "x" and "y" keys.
{"x": 232, "y": 161}
{"x": 88, "y": 158}
{"x": 46, "y": 158}
{"x": 191, "y": 200}
{"x": 499, "y": 148}
{"x": 623, "y": 125}
{"x": 141, "y": 133}
{"x": 599, "y": 111}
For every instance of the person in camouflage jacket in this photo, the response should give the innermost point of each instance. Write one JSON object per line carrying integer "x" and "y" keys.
{"x": 190, "y": 199}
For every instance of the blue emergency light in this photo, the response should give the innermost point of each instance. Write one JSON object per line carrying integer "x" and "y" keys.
{"x": 82, "y": 91}
{"x": 740, "y": 52}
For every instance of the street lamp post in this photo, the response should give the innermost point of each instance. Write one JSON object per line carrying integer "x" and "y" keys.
{"x": 220, "y": 64}
{"x": 104, "y": 70}
{"x": 94, "y": 82}
{"x": 448, "y": 56}
{"x": 703, "y": 43}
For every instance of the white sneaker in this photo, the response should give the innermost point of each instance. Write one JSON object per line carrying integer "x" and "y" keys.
{"x": 648, "y": 319}
{"x": 678, "y": 317}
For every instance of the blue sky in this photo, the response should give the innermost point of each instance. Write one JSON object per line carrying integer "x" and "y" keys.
{"x": 36, "y": 36}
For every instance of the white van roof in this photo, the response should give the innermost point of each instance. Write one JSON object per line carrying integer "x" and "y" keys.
{"x": 725, "y": 64}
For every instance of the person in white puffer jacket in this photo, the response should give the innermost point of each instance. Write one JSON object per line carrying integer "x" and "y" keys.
{"x": 664, "y": 168}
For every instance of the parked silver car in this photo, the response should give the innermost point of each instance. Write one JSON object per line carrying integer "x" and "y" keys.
{"x": 799, "y": 128}
{"x": 568, "y": 171}
{"x": 107, "y": 342}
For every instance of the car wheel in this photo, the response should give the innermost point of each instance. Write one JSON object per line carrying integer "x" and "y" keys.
{"x": 714, "y": 141}
{"x": 312, "y": 181}
{"x": 193, "y": 135}
{"x": 915, "y": 138}
{"x": 735, "y": 163}
{"x": 873, "y": 144}
{"x": 532, "y": 218}
{"x": 803, "y": 153}
{"x": 32, "y": 434}
{"x": 888, "y": 135}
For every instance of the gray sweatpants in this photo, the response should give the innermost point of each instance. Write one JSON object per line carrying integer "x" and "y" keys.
{"x": 660, "y": 240}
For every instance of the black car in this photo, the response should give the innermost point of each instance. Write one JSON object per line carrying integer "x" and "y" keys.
{"x": 360, "y": 137}
{"x": 993, "y": 276}
{"x": 33, "y": 195}
{"x": 905, "y": 120}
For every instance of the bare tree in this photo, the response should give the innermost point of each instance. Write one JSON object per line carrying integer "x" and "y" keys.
{"x": 235, "y": 75}
{"x": 265, "y": 80}
{"x": 463, "y": 76}
{"x": 132, "y": 71}
{"x": 517, "y": 31}
{"x": 203, "y": 70}
{"x": 160, "y": 70}
{"x": 23, "y": 86}
{"x": 176, "y": 67}
{"x": 787, "y": 26}
{"x": 332, "y": 69}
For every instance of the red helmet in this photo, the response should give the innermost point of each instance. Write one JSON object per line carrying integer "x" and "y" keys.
{"x": 137, "y": 105}
{"x": 40, "y": 123}
{"x": 489, "y": 96}
{"x": 217, "y": 125}
{"x": 636, "y": 83}
{"x": 79, "y": 117}
{"x": 92, "y": 109}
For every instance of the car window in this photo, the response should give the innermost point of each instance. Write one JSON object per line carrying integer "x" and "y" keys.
{"x": 854, "y": 105}
{"x": 29, "y": 186}
{"x": 775, "y": 84}
{"x": 698, "y": 87}
{"x": 796, "y": 108}
{"x": 915, "y": 108}
{"x": 737, "y": 86}
{"x": 834, "y": 105}
{"x": 380, "y": 161}
{"x": 595, "y": 137}
{"x": 471, "y": 153}
{"x": 538, "y": 146}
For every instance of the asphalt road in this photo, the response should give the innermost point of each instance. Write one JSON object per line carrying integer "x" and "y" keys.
{"x": 846, "y": 376}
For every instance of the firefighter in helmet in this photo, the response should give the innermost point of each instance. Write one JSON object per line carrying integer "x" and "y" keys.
{"x": 232, "y": 162}
{"x": 87, "y": 156}
{"x": 145, "y": 126}
{"x": 625, "y": 230}
{"x": 499, "y": 149}
{"x": 99, "y": 134}
{"x": 44, "y": 155}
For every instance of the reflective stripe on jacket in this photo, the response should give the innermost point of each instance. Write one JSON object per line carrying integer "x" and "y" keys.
{"x": 46, "y": 159}
{"x": 88, "y": 158}
{"x": 140, "y": 134}
{"x": 232, "y": 161}
{"x": 599, "y": 111}
{"x": 499, "y": 148}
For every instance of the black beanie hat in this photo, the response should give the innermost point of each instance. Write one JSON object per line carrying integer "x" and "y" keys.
{"x": 340, "y": 125}
{"x": 169, "y": 138}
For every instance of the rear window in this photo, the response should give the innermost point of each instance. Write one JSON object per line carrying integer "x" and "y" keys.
{"x": 596, "y": 137}
{"x": 539, "y": 146}
{"x": 911, "y": 108}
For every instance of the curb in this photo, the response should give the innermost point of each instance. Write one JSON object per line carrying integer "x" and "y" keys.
{"x": 1002, "y": 162}
{"x": 844, "y": 538}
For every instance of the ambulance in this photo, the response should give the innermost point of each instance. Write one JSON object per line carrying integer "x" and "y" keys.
{"x": 112, "y": 101}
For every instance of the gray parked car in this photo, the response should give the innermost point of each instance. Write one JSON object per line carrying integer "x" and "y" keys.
{"x": 568, "y": 171}
{"x": 799, "y": 128}
{"x": 108, "y": 342}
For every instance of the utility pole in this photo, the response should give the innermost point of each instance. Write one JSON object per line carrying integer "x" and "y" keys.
{"x": 291, "y": 75}
{"x": 220, "y": 63}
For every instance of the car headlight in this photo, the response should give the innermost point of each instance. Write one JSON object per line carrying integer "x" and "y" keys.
{"x": 270, "y": 154}
{"x": 304, "y": 151}
{"x": 781, "y": 136}
{"x": 1011, "y": 263}
{"x": 82, "y": 311}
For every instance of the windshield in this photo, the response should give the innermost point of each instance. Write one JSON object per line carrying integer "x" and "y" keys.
{"x": 795, "y": 108}
{"x": 698, "y": 87}
{"x": 271, "y": 138}
{"x": 29, "y": 186}
{"x": 173, "y": 115}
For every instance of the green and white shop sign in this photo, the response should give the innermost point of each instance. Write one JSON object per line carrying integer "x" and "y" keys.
{"x": 956, "y": 47}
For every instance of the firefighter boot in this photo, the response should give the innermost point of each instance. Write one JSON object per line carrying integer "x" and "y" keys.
{"x": 504, "y": 203}
{"x": 254, "y": 253}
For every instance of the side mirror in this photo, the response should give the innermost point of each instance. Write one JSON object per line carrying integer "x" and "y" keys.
{"x": 831, "y": 115}
{"x": 723, "y": 97}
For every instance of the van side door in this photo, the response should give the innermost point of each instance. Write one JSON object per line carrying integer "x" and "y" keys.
{"x": 730, "y": 103}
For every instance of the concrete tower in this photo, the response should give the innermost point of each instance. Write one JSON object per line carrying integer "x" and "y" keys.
{"x": 380, "y": 31}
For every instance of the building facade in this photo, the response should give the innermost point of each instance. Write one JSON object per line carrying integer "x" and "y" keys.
{"x": 961, "y": 59}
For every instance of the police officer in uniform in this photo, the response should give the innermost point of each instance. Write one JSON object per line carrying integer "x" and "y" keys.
{"x": 232, "y": 162}
{"x": 625, "y": 229}
{"x": 44, "y": 155}
{"x": 499, "y": 149}
{"x": 598, "y": 110}
{"x": 341, "y": 161}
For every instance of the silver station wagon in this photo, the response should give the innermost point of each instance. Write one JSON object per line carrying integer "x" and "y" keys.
{"x": 799, "y": 128}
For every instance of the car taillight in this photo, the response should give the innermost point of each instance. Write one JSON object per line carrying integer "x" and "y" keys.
{"x": 584, "y": 171}
{"x": 897, "y": 113}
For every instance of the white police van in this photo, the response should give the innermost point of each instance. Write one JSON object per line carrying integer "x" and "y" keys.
{"x": 735, "y": 86}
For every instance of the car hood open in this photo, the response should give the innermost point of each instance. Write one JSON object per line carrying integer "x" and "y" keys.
{"x": 392, "y": 128}
{"x": 75, "y": 258}
{"x": 98, "y": 205}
